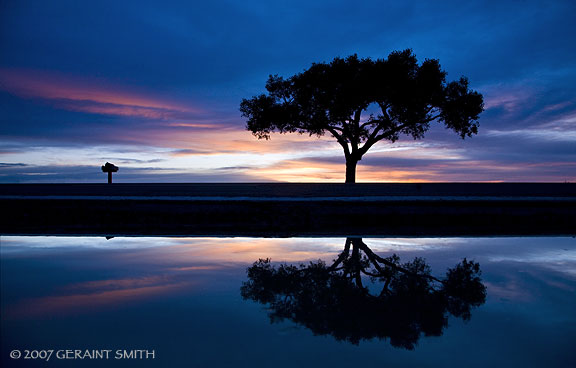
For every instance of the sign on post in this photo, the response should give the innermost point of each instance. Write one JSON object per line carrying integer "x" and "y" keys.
{"x": 109, "y": 168}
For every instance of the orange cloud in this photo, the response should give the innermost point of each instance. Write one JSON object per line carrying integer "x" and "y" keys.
{"x": 88, "y": 95}
{"x": 229, "y": 140}
{"x": 191, "y": 125}
{"x": 195, "y": 268}
{"x": 119, "y": 110}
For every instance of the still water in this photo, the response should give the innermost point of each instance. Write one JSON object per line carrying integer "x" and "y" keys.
{"x": 175, "y": 302}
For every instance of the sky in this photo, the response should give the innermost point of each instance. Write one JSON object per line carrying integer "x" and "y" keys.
{"x": 155, "y": 87}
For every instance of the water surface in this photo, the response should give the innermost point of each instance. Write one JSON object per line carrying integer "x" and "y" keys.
{"x": 180, "y": 297}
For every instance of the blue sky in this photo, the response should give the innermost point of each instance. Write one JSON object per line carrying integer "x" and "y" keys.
{"x": 155, "y": 87}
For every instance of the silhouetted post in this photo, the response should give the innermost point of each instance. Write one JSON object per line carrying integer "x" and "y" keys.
{"x": 109, "y": 168}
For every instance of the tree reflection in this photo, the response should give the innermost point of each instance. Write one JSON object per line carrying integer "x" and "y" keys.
{"x": 364, "y": 296}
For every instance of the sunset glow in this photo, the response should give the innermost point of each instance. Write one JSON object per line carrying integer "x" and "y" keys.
{"x": 150, "y": 103}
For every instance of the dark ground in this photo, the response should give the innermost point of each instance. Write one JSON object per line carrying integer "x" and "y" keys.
{"x": 439, "y": 209}
{"x": 278, "y": 190}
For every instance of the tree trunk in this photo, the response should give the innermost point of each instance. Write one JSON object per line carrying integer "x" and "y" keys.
{"x": 351, "y": 163}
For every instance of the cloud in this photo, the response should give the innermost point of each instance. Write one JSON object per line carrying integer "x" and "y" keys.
{"x": 170, "y": 78}
{"x": 10, "y": 165}
{"x": 538, "y": 134}
{"x": 96, "y": 295}
{"x": 131, "y": 160}
{"x": 93, "y": 174}
{"x": 99, "y": 97}
{"x": 423, "y": 165}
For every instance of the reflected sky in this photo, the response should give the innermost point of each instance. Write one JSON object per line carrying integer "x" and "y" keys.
{"x": 181, "y": 297}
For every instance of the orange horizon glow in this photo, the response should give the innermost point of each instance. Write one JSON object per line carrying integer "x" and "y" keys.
{"x": 186, "y": 139}
{"x": 229, "y": 140}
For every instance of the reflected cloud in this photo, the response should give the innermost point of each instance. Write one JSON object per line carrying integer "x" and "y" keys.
{"x": 510, "y": 290}
{"x": 556, "y": 260}
{"x": 241, "y": 250}
{"x": 215, "y": 250}
{"x": 168, "y": 266}
{"x": 118, "y": 284}
{"x": 92, "y": 296}
{"x": 149, "y": 267}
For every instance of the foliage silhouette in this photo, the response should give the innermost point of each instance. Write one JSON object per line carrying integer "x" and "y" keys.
{"x": 333, "y": 97}
{"x": 333, "y": 300}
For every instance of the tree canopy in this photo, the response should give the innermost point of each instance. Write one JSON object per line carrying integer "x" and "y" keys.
{"x": 335, "y": 98}
{"x": 401, "y": 302}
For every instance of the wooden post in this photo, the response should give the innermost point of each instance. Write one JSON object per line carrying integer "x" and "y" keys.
{"x": 109, "y": 168}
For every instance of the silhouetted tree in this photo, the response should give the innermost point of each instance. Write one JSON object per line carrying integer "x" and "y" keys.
{"x": 333, "y": 98}
{"x": 332, "y": 300}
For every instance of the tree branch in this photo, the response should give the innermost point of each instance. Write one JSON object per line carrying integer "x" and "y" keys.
{"x": 339, "y": 137}
{"x": 371, "y": 140}
{"x": 370, "y": 273}
{"x": 357, "y": 115}
{"x": 370, "y": 122}
{"x": 383, "y": 106}
{"x": 370, "y": 254}
{"x": 356, "y": 133}
{"x": 342, "y": 255}
{"x": 356, "y": 265}
{"x": 432, "y": 118}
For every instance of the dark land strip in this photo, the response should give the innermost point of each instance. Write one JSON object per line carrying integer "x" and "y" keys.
{"x": 284, "y": 209}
